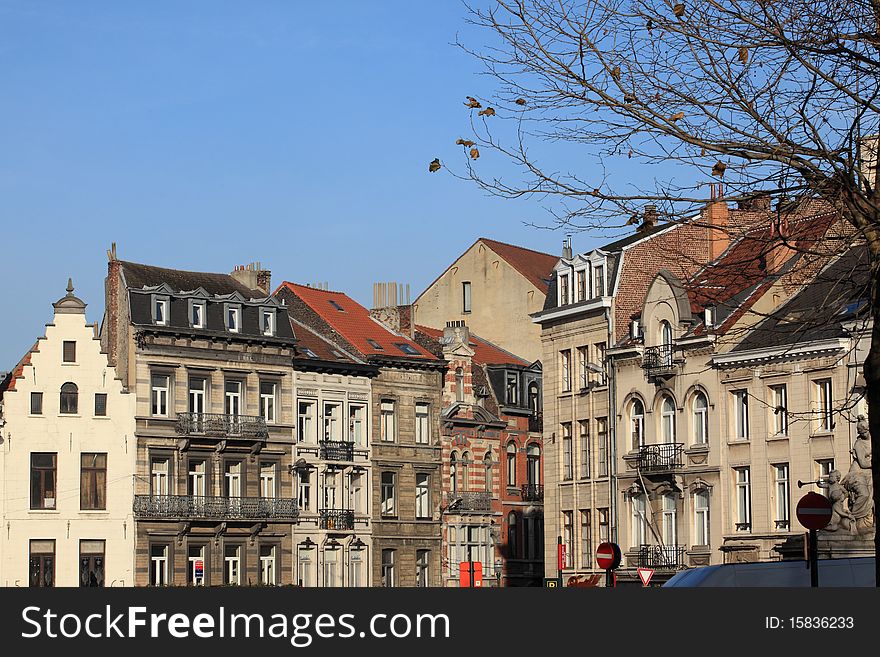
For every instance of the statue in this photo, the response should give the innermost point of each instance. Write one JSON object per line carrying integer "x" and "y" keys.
{"x": 840, "y": 515}
{"x": 858, "y": 481}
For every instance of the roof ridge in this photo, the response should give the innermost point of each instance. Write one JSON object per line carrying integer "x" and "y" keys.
{"x": 515, "y": 246}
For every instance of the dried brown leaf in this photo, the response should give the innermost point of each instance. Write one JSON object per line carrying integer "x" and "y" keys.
{"x": 472, "y": 102}
{"x": 435, "y": 165}
{"x": 678, "y": 10}
{"x": 486, "y": 112}
{"x": 743, "y": 55}
{"x": 718, "y": 169}
{"x": 475, "y": 153}
{"x": 520, "y": 101}
{"x": 678, "y": 116}
{"x": 464, "y": 142}
{"x": 615, "y": 73}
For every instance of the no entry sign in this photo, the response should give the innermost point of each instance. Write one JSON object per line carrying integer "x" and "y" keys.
{"x": 814, "y": 511}
{"x": 608, "y": 556}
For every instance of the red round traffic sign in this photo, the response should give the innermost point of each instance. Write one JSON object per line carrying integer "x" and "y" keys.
{"x": 608, "y": 556}
{"x": 814, "y": 511}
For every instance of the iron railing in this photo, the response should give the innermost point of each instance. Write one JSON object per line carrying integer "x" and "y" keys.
{"x": 337, "y": 450}
{"x": 214, "y": 508}
{"x": 662, "y": 557}
{"x": 536, "y": 422}
{"x": 658, "y": 360}
{"x": 533, "y": 492}
{"x": 338, "y": 519}
{"x": 657, "y": 458}
{"x": 251, "y": 427}
{"x": 468, "y": 502}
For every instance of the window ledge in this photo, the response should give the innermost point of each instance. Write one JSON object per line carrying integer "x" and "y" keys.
{"x": 69, "y": 364}
{"x": 45, "y": 512}
{"x": 100, "y": 417}
{"x": 70, "y": 415}
{"x": 95, "y": 512}
{"x": 822, "y": 434}
{"x": 738, "y": 441}
{"x": 777, "y": 438}
{"x": 698, "y": 448}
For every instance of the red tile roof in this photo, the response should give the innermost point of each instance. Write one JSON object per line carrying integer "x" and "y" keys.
{"x": 354, "y": 323}
{"x": 534, "y": 265}
{"x": 306, "y": 338}
{"x": 8, "y": 384}
{"x": 485, "y": 352}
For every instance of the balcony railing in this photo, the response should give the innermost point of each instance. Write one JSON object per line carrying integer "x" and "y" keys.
{"x": 469, "y": 502}
{"x": 659, "y": 458}
{"x": 533, "y": 492}
{"x": 662, "y": 557}
{"x": 214, "y": 508}
{"x": 536, "y": 422}
{"x": 337, "y": 450}
{"x": 657, "y": 361}
{"x": 338, "y": 519}
{"x": 249, "y": 427}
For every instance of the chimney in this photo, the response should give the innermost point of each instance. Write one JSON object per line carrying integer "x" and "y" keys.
{"x": 456, "y": 331}
{"x": 566, "y": 248}
{"x": 110, "y": 343}
{"x": 253, "y": 277}
{"x": 778, "y": 251}
{"x": 649, "y": 218}
{"x": 390, "y": 309}
{"x": 759, "y": 203}
{"x": 716, "y": 216}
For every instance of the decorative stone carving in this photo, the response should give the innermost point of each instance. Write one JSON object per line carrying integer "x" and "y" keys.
{"x": 852, "y": 496}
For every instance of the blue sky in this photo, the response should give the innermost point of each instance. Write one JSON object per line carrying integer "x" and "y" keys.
{"x": 204, "y": 134}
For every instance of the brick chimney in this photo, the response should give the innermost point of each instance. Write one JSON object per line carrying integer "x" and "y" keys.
{"x": 716, "y": 216}
{"x": 388, "y": 310}
{"x": 649, "y": 218}
{"x": 778, "y": 251}
{"x": 110, "y": 342}
{"x": 253, "y": 276}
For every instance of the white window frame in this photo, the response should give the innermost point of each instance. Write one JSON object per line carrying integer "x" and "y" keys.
{"x": 423, "y": 496}
{"x": 741, "y": 414}
{"x": 423, "y": 423}
{"x": 667, "y": 419}
{"x": 357, "y": 424}
{"x": 782, "y": 489}
{"x": 466, "y": 297}
{"x": 159, "y": 394}
{"x": 267, "y": 313}
{"x": 306, "y": 425}
{"x": 637, "y": 423}
{"x": 701, "y": 419}
{"x": 304, "y": 490}
{"x": 232, "y": 318}
{"x": 159, "y": 566}
{"x": 567, "y": 453}
{"x": 388, "y": 494}
{"x": 268, "y": 571}
{"x": 565, "y": 369}
{"x": 201, "y": 308}
{"x": 268, "y": 480}
{"x": 233, "y": 398}
{"x": 585, "y": 448}
{"x": 269, "y": 402}
{"x": 670, "y": 520}
{"x": 161, "y": 317}
{"x": 639, "y": 520}
{"x": 564, "y": 289}
{"x": 388, "y": 420}
{"x": 701, "y": 517}
{"x": 779, "y": 409}
{"x": 824, "y": 405}
{"x": 332, "y": 421}
{"x": 743, "y": 479}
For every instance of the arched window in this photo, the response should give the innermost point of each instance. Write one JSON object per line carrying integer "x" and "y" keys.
{"x": 533, "y": 465}
{"x": 465, "y": 471}
{"x": 511, "y": 464}
{"x": 487, "y": 463}
{"x": 637, "y": 423}
{"x": 701, "y": 517}
{"x": 453, "y": 480}
{"x": 670, "y": 520}
{"x": 667, "y": 420}
{"x": 69, "y": 398}
{"x": 666, "y": 342}
{"x": 459, "y": 384}
{"x": 511, "y": 536}
{"x": 639, "y": 521}
{"x": 701, "y": 419}
{"x": 533, "y": 398}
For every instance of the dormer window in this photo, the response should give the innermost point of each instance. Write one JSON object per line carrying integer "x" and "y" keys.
{"x": 233, "y": 319}
{"x": 406, "y": 348}
{"x": 709, "y": 318}
{"x": 197, "y": 314}
{"x": 267, "y": 321}
{"x": 581, "y": 275}
{"x": 160, "y": 311}
{"x": 512, "y": 394}
{"x": 375, "y": 345}
{"x": 563, "y": 289}
{"x": 599, "y": 281}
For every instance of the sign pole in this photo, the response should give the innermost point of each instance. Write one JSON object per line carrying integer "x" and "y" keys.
{"x": 560, "y": 558}
{"x": 814, "y": 559}
{"x": 609, "y": 579}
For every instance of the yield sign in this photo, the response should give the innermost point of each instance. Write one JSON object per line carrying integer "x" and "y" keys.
{"x": 645, "y": 574}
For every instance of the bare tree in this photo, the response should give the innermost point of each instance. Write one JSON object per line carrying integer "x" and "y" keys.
{"x": 769, "y": 96}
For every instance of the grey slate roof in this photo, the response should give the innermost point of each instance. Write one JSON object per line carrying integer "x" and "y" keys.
{"x": 138, "y": 276}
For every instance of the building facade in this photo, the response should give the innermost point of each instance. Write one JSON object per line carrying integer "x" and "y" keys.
{"x": 208, "y": 358}
{"x": 67, "y": 457}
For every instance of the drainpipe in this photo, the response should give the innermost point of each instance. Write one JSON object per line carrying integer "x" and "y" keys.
{"x": 612, "y": 432}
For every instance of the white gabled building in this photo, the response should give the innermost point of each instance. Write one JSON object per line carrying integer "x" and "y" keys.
{"x": 67, "y": 461}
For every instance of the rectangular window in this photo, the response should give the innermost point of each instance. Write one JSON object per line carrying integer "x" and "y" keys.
{"x": 604, "y": 535}
{"x": 43, "y": 478}
{"x": 268, "y": 489}
{"x": 68, "y": 351}
{"x": 466, "y": 297}
{"x": 356, "y": 567}
{"x": 568, "y": 537}
{"x": 306, "y": 566}
{"x": 305, "y": 490}
{"x": 602, "y": 441}
{"x": 194, "y": 555}
{"x": 306, "y": 422}
{"x": 356, "y": 492}
{"x": 389, "y": 578}
{"x": 423, "y": 496}
{"x": 566, "y": 451}
{"x": 388, "y": 499}
{"x": 233, "y": 319}
{"x": 233, "y": 399}
{"x": 197, "y": 314}
{"x": 232, "y": 565}
{"x": 743, "y": 499}
{"x": 332, "y": 421}
{"x": 197, "y": 478}
{"x": 701, "y": 517}
{"x": 331, "y": 567}
{"x": 583, "y": 370}
{"x": 387, "y": 421}
{"x": 779, "y": 407}
{"x": 639, "y": 521}
{"x": 586, "y": 539}
{"x": 511, "y": 392}
{"x": 423, "y": 426}
{"x": 330, "y": 480}
{"x": 357, "y": 428}
{"x": 268, "y": 402}
{"x": 581, "y": 284}
{"x": 36, "y": 403}
{"x": 584, "y": 430}
{"x": 232, "y": 480}
{"x": 564, "y": 293}
{"x": 783, "y": 496}
{"x": 741, "y": 413}
{"x": 824, "y": 405}
{"x": 158, "y": 565}
{"x": 670, "y": 521}
{"x": 91, "y": 564}
{"x": 599, "y": 281}
{"x": 267, "y": 321}
{"x": 565, "y": 369}
{"x": 159, "y": 395}
{"x": 160, "y": 311}
{"x": 100, "y": 404}
{"x": 267, "y": 565}
{"x": 196, "y": 398}
{"x": 42, "y": 563}
{"x": 159, "y": 476}
{"x": 599, "y": 350}
{"x": 423, "y": 560}
{"x": 93, "y": 481}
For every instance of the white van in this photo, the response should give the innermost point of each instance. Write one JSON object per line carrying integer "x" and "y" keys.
{"x": 848, "y": 572}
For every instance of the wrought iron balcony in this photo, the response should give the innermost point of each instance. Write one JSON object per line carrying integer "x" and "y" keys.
{"x": 247, "y": 427}
{"x": 533, "y": 492}
{"x": 338, "y": 519}
{"x": 468, "y": 502}
{"x": 658, "y": 361}
{"x": 172, "y": 507}
{"x": 662, "y": 557}
{"x": 536, "y": 422}
{"x": 337, "y": 450}
{"x": 660, "y": 458}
